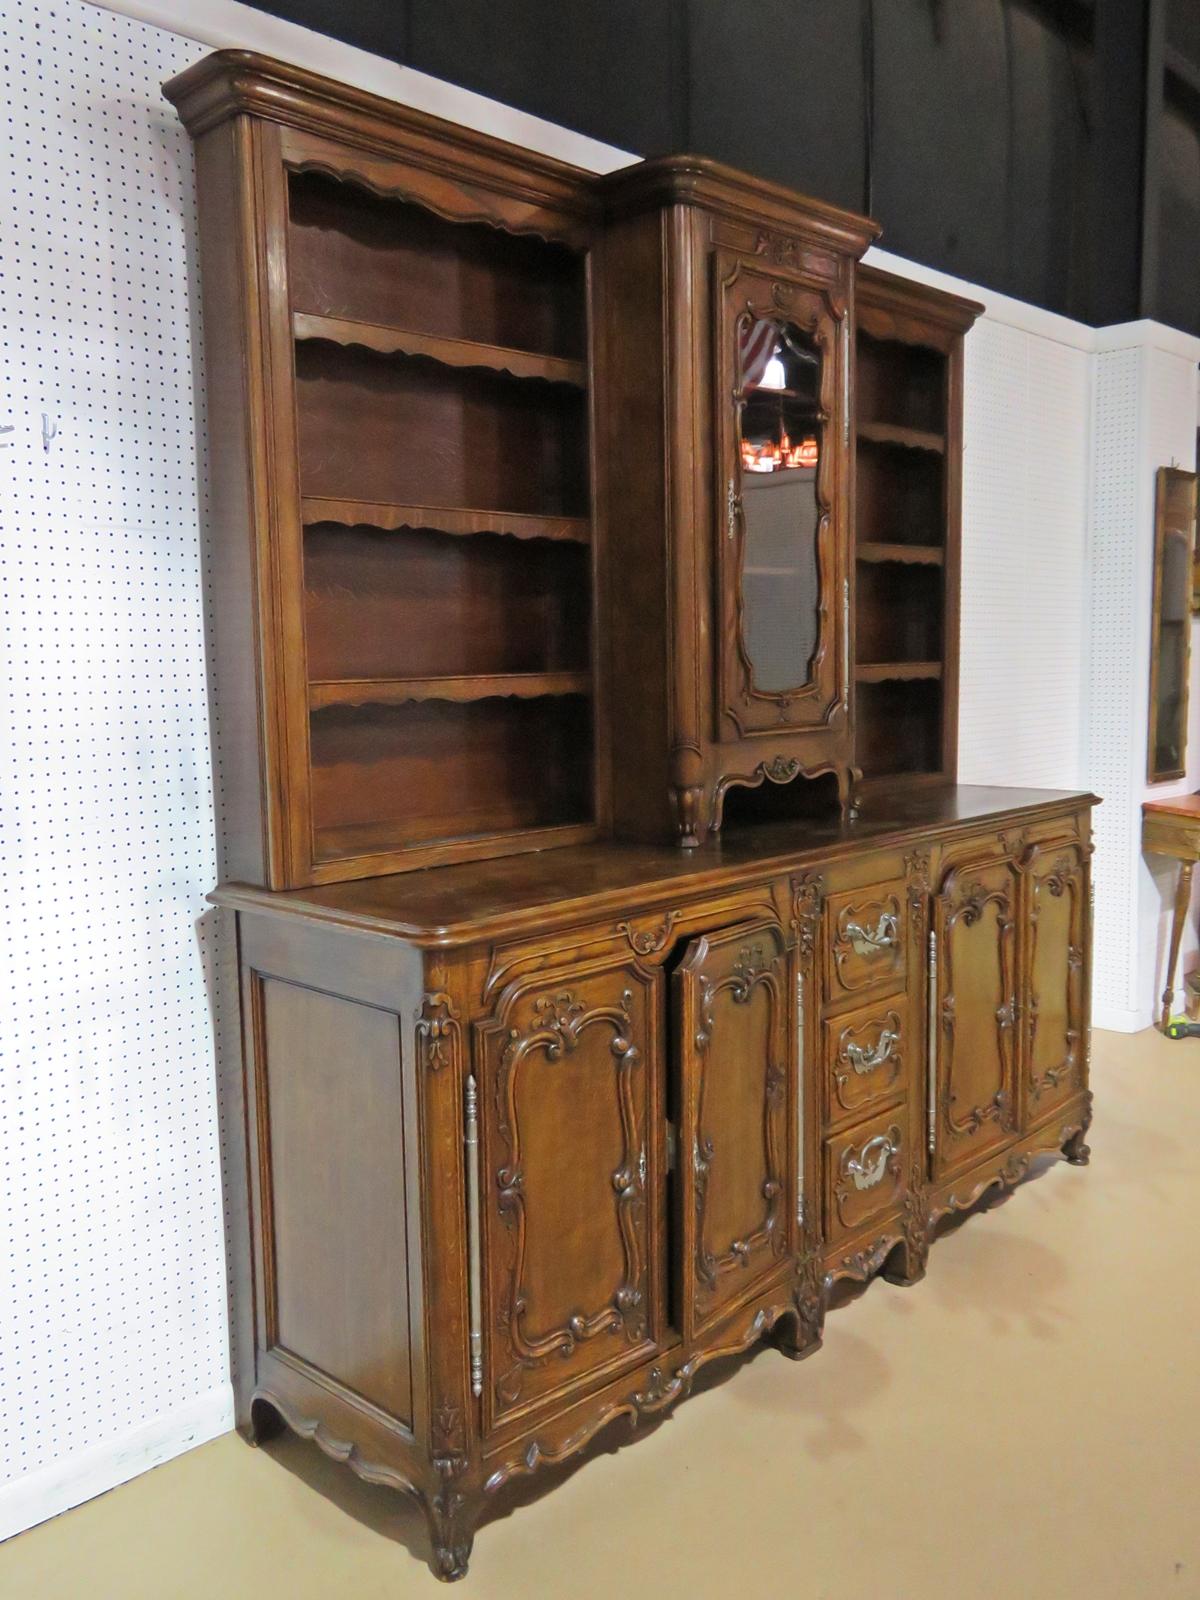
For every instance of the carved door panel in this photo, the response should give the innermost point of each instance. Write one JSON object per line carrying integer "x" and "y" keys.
{"x": 731, "y": 993}
{"x": 781, "y": 601}
{"x": 568, "y": 1100}
{"x": 973, "y": 1028}
{"x": 1055, "y": 1005}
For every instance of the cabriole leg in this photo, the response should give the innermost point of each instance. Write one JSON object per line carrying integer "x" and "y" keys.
{"x": 260, "y": 1422}
{"x": 907, "y": 1262}
{"x": 1077, "y": 1150}
{"x": 800, "y": 1334}
{"x": 452, "y": 1514}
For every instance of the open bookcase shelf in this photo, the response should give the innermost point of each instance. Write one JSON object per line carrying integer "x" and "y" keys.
{"x": 484, "y": 686}
{"x": 442, "y": 422}
{"x": 931, "y": 555}
{"x": 460, "y": 520}
{"x": 886, "y": 433}
{"x": 450, "y": 352}
{"x": 908, "y": 429}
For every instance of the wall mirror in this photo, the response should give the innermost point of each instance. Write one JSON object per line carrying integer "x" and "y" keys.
{"x": 1170, "y": 623}
{"x": 779, "y": 387}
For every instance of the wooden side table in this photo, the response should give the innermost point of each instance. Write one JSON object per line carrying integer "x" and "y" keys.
{"x": 1172, "y": 828}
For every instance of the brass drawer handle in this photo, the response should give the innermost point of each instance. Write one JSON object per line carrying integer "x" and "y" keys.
{"x": 864, "y": 1061}
{"x": 886, "y": 935}
{"x": 868, "y": 1168}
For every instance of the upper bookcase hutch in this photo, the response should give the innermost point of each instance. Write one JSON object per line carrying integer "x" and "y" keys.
{"x": 535, "y": 491}
{"x": 398, "y": 347}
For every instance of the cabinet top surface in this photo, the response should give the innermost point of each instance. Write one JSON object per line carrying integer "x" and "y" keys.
{"x": 1182, "y": 805}
{"x": 462, "y": 904}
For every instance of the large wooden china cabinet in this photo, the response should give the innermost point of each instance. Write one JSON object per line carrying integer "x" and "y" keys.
{"x": 620, "y": 963}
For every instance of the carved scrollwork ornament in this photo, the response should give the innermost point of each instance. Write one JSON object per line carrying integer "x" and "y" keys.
{"x": 651, "y": 942}
{"x": 807, "y": 897}
{"x": 438, "y": 1031}
{"x": 865, "y": 1263}
{"x": 916, "y": 872}
{"x": 916, "y": 1225}
{"x": 808, "y": 1296}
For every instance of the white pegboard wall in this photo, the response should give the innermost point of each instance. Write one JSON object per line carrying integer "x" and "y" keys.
{"x": 112, "y": 1300}
{"x": 1112, "y": 717}
{"x": 1024, "y": 516}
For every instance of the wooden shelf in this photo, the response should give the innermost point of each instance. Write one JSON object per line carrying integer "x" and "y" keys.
{"x": 908, "y": 438}
{"x": 913, "y": 555}
{"x": 457, "y": 520}
{"x": 483, "y": 686}
{"x": 896, "y": 671}
{"x": 388, "y": 340}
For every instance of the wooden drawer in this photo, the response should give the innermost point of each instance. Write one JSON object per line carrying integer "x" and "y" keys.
{"x": 866, "y": 943}
{"x": 865, "y": 1173}
{"x": 866, "y": 1058}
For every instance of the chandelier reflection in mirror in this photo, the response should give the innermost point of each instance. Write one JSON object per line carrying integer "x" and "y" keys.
{"x": 781, "y": 420}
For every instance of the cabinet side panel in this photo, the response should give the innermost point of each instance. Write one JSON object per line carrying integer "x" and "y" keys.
{"x": 633, "y": 457}
{"x": 221, "y": 179}
{"x": 335, "y": 1115}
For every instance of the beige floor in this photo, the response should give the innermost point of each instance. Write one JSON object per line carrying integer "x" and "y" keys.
{"x": 1025, "y": 1423}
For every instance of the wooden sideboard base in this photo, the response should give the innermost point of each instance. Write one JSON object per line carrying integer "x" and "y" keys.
{"x": 457, "y": 1499}
{"x": 533, "y": 1142}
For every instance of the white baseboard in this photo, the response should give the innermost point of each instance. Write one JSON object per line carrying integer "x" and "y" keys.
{"x": 47, "y": 1491}
{"x": 1114, "y": 1020}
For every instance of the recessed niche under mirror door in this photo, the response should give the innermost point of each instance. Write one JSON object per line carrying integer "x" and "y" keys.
{"x": 780, "y": 444}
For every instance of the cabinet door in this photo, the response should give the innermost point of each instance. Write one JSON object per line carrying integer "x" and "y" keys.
{"x": 1055, "y": 1008}
{"x": 732, "y": 1035}
{"x": 567, "y": 1103}
{"x": 782, "y": 600}
{"x": 973, "y": 1030}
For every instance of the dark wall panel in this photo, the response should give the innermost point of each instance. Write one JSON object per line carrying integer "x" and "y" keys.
{"x": 1048, "y": 153}
{"x": 941, "y": 134}
{"x": 779, "y": 91}
{"x": 1183, "y": 28}
{"x": 1179, "y": 217}
{"x": 378, "y": 25}
{"x": 609, "y": 68}
{"x": 982, "y": 134}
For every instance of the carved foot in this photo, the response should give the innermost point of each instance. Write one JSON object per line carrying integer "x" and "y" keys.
{"x": 1077, "y": 1150}
{"x": 262, "y": 1422}
{"x": 850, "y": 801}
{"x": 451, "y": 1517}
{"x": 907, "y": 1262}
{"x": 687, "y": 815}
{"x": 800, "y": 1334}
